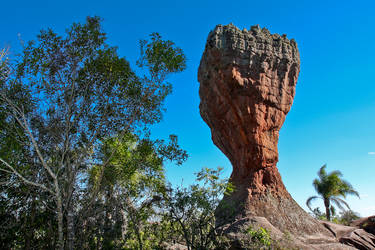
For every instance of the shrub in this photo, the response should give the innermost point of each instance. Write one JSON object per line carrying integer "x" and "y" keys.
{"x": 260, "y": 237}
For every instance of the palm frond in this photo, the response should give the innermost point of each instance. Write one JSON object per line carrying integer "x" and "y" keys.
{"x": 348, "y": 189}
{"x": 353, "y": 192}
{"x": 336, "y": 173}
{"x": 322, "y": 173}
{"x": 316, "y": 185}
{"x": 333, "y": 210}
{"x": 309, "y": 200}
{"x": 346, "y": 184}
{"x": 338, "y": 202}
{"x": 331, "y": 187}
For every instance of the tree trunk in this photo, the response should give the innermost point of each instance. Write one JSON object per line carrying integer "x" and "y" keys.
{"x": 29, "y": 226}
{"x": 60, "y": 241}
{"x": 70, "y": 228}
{"x": 107, "y": 229}
{"x": 133, "y": 217}
{"x": 124, "y": 224}
{"x": 70, "y": 209}
{"x": 328, "y": 211}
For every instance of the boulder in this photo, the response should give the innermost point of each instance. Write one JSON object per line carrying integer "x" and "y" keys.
{"x": 367, "y": 223}
{"x": 351, "y": 235}
{"x": 236, "y": 233}
{"x": 359, "y": 239}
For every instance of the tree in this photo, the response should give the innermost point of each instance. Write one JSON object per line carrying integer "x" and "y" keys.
{"x": 192, "y": 210}
{"x": 330, "y": 188}
{"x": 63, "y": 98}
{"x": 21, "y": 210}
{"x": 348, "y": 216}
{"x": 131, "y": 184}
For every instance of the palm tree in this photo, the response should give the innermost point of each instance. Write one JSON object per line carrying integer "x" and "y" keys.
{"x": 330, "y": 188}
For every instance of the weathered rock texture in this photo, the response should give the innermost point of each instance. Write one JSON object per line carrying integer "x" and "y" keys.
{"x": 367, "y": 223}
{"x": 353, "y": 236}
{"x": 247, "y": 85}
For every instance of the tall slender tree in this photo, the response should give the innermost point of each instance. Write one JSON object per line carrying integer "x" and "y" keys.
{"x": 331, "y": 189}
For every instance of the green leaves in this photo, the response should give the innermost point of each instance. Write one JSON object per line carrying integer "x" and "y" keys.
{"x": 330, "y": 187}
{"x": 161, "y": 57}
{"x": 133, "y": 164}
{"x": 192, "y": 209}
{"x": 158, "y": 59}
{"x": 4, "y": 67}
{"x": 172, "y": 150}
{"x": 68, "y": 116}
{"x": 331, "y": 184}
{"x": 260, "y": 236}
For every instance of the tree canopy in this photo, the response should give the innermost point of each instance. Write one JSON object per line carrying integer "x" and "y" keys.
{"x": 71, "y": 109}
{"x": 331, "y": 188}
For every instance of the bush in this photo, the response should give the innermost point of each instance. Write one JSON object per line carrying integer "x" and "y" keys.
{"x": 256, "y": 239}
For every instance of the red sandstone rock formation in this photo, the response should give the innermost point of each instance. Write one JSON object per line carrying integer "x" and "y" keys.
{"x": 247, "y": 85}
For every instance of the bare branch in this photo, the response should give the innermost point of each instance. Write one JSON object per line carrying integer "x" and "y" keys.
{"x": 6, "y": 171}
{"x": 36, "y": 147}
{"x": 24, "y": 124}
{"x": 14, "y": 171}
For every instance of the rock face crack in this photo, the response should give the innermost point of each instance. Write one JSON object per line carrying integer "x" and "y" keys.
{"x": 247, "y": 86}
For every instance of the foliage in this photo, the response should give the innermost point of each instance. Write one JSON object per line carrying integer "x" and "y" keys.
{"x": 160, "y": 57}
{"x": 191, "y": 210}
{"x": 66, "y": 106}
{"x": 259, "y": 236}
{"x": 345, "y": 217}
{"x": 3, "y": 65}
{"x": 330, "y": 188}
{"x": 348, "y": 216}
{"x": 318, "y": 214}
{"x": 130, "y": 185}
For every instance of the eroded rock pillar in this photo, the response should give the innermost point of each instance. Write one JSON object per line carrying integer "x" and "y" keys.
{"x": 247, "y": 85}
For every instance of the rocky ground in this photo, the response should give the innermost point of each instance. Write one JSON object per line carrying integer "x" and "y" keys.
{"x": 357, "y": 236}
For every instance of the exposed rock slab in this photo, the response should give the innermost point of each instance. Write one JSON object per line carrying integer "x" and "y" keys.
{"x": 236, "y": 232}
{"x": 338, "y": 230}
{"x": 359, "y": 239}
{"x": 352, "y": 235}
{"x": 366, "y": 223}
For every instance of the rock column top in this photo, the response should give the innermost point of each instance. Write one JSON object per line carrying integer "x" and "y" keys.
{"x": 256, "y": 40}
{"x": 259, "y": 57}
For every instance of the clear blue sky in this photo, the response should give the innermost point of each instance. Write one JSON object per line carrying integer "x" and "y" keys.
{"x": 332, "y": 119}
